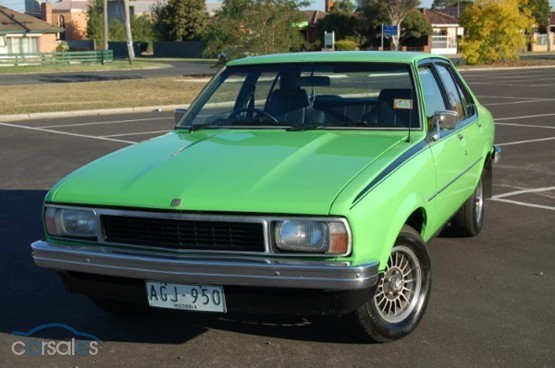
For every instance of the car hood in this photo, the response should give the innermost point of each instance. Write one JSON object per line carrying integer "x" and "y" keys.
{"x": 228, "y": 170}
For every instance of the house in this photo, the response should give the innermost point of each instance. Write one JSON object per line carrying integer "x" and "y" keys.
{"x": 308, "y": 28}
{"x": 72, "y": 16}
{"x": 446, "y": 31}
{"x": 25, "y": 34}
{"x": 68, "y": 14}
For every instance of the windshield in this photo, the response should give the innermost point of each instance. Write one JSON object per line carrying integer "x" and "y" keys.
{"x": 306, "y": 96}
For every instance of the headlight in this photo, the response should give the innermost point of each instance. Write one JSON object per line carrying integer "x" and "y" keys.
{"x": 330, "y": 237}
{"x": 70, "y": 222}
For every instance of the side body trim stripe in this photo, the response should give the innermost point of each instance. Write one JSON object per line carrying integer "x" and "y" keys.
{"x": 411, "y": 152}
{"x": 455, "y": 179}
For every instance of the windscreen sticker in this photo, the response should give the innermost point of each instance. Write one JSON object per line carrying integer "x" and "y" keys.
{"x": 402, "y": 104}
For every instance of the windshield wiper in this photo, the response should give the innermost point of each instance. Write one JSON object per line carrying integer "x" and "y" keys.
{"x": 196, "y": 127}
{"x": 351, "y": 123}
{"x": 295, "y": 128}
{"x": 227, "y": 122}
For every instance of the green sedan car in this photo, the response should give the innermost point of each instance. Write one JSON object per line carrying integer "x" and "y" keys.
{"x": 307, "y": 183}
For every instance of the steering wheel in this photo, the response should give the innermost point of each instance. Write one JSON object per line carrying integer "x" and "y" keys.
{"x": 236, "y": 113}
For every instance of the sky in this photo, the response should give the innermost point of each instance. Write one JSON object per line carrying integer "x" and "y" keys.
{"x": 19, "y": 5}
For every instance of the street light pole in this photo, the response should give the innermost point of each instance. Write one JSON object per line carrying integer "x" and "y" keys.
{"x": 130, "y": 51}
{"x": 105, "y": 17}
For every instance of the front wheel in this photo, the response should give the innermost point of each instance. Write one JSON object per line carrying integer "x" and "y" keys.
{"x": 401, "y": 295}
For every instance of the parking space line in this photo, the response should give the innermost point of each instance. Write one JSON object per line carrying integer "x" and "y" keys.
{"x": 526, "y": 125}
{"x": 508, "y": 97}
{"x": 102, "y": 122}
{"x": 136, "y": 133}
{"x": 518, "y": 102}
{"x": 67, "y": 133}
{"x": 501, "y": 197}
{"x": 525, "y": 204}
{"x": 514, "y": 85}
{"x": 523, "y": 191}
{"x": 524, "y": 117}
{"x": 525, "y": 141}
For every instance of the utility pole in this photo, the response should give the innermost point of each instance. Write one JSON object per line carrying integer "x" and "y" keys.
{"x": 105, "y": 16}
{"x": 130, "y": 51}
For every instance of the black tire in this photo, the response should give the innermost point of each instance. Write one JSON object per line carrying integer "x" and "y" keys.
{"x": 379, "y": 320}
{"x": 469, "y": 219}
{"x": 119, "y": 308}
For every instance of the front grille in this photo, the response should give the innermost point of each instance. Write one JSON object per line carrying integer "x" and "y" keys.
{"x": 184, "y": 234}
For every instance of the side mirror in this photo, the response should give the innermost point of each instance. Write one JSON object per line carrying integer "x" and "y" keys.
{"x": 444, "y": 120}
{"x": 178, "y": 114}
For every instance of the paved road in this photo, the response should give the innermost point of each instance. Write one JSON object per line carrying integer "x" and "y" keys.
{"x": 177, "y": 68}
{"x": 493, "y": 296}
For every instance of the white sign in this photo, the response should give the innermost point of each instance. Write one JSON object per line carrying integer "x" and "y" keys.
{"x": 329, "y": 39}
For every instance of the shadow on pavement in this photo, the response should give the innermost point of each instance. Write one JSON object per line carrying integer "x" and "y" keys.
{"x": 96, "y": 77}
{"x": 33, "y": 296}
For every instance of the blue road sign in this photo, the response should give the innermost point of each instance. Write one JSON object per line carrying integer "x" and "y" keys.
{"x": 389, "y": 30}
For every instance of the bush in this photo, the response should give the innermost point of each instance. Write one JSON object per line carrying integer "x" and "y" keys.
{"x": 345, "y": 45}
{"x": 62, "y": 46}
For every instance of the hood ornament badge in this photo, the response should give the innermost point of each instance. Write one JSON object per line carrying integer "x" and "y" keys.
{"x": 175, "y": 202}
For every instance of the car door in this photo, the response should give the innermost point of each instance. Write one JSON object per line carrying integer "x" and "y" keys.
{"x": 448, "y": 149}
{"x": 469, "y": 129}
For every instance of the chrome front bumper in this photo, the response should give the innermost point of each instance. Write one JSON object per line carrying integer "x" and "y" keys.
{"x": 215, "y": 270}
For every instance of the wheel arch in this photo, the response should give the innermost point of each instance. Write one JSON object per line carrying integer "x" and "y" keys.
{"x": 414, "y": 215}
{"x": 417, "y": 220}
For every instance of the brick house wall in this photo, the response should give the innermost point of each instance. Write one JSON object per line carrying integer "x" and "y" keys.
{"x": 47, "y": 42}
{"x": 75, "y": 24}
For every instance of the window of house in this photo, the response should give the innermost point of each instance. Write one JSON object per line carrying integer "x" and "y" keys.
{"x": 23, "y": 45}
{"x": 62, "y": 24}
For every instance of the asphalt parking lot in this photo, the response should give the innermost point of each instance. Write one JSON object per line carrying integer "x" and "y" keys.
{"x": 492, "y": 297}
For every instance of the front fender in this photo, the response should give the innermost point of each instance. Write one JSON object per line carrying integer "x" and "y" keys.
{"x": 378, "y": 217}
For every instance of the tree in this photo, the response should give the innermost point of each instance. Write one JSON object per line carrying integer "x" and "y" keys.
{"x": 495, "y": 30}
{"x": 540, "y": 11}
{"x": 180, "y": 20}
{"x": 345, "y": 25}
{"x": 343, "y": 6}
{"x": 396, "y": 11}
{"x": 372, "y": 17}
{"x": 415, "y": 26}
{"x": 95, "y": 30}
{"x": 141, "y": 26}
{"x": 254, "y": 27}
{"x": 442, "y": 4}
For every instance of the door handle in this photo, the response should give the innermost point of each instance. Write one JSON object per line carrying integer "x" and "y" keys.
{"x": 479, "y": 125}
{"x": 460, "y": 136}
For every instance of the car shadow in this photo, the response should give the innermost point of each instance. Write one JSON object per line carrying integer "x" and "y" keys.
{"x": 33, "y": 296}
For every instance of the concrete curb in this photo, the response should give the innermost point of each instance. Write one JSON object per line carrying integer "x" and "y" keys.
{"x": 99, "y": 112}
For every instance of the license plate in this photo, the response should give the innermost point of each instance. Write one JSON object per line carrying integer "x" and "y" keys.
{"x": 203, "y": 298}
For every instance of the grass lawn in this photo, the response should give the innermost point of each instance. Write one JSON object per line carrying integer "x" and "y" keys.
{"x": 32, "y": 98}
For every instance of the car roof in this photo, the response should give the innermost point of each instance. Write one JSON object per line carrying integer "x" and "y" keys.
{"x": 336, "y": 56}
